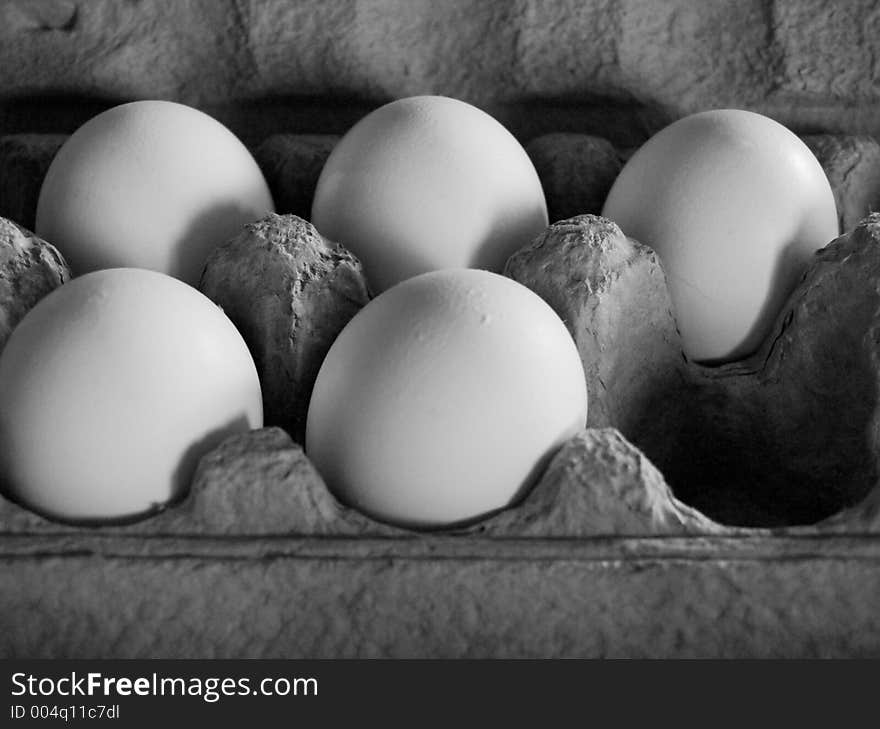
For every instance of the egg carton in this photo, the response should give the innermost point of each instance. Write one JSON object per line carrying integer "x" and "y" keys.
{"x": 769, "y": 545}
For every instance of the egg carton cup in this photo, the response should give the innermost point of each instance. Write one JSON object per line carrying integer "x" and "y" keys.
{"x": 600, "y": 558}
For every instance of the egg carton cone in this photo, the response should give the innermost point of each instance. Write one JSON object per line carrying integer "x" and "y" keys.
{"x": 714, "y": 512}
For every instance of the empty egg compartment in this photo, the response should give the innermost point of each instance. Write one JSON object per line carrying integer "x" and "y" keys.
{"x": 599, "y": 559}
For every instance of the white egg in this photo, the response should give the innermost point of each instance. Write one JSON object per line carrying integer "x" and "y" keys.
{"x": 735, "y": 205}
{"x": 443, "y": 398}
{"x": 428, "y": 182}
{"x": 150, "y": 184}
{"x": 111, "y": 388}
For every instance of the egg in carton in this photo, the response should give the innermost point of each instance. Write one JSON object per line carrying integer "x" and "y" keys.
{"x": 600, "y": 558}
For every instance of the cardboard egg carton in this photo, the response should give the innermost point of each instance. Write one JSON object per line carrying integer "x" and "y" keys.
{"x": 601, "y": 558}
{"x": 272, "y": 65}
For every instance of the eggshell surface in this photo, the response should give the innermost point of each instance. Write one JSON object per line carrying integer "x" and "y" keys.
{"x": 150, "y": 184}
{"x": 443, "y": 398}
{"x": 735, "y": 205}
{"x": 111, "y": 388}
{"x": 425, "y": 183}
